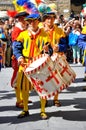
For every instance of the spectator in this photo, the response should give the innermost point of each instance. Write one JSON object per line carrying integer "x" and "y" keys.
{"x": 3, "y": 40}
{"x": 72, "y": 14}
{"x": 7, "y": 30}
{"x": 1, "y": 54}
{"x": 73, "y": 40}
{"x": 82, "y": 45}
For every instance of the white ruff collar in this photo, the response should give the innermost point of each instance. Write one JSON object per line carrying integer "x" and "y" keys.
{"x": 32, "y": 32}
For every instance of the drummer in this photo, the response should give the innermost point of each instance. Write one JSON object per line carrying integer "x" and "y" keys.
{"x": 30, "y": 43}
{"x": 19, "y": 27}
{"x": 58, "y": 39}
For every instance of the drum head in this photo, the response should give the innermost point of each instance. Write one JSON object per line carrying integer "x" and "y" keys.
{"x": 36, "y": 63}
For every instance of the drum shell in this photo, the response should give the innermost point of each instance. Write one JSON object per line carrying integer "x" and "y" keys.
{"x": 46, "y": 79}
{"x": 64, "y": 68}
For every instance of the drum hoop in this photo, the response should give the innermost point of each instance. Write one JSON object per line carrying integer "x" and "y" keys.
{"x": 39, "y": 67}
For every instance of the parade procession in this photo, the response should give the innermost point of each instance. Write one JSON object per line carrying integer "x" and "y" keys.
{"x": 39, "y": 53}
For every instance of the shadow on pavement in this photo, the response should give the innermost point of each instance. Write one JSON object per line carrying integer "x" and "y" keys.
{"x": 73, "y": 115}
{"x": 15, "y": 120}
{"x": 78, "y": 80}
{"x": 70, "y": 115}
{"x": 7, "y": 96}
{"x": 34, "y": 105}
{"x": 75, "y": 89}
{"x": 66, "y": 115}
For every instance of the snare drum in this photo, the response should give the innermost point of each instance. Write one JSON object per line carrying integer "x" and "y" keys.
{"x": 46, "y": 80}
{"x": 72, "y": 71}
{"x": 65, "y": 70}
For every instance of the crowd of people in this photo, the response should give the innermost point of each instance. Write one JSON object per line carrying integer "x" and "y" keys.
{"x": 70, "y": 27}
{"x": 6, "y": 42}
{"x": 28, "y": 35}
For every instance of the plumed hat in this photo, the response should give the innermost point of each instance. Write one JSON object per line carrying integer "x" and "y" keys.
{"x": 43, "y": 8}
{"x": 46, "y": 11}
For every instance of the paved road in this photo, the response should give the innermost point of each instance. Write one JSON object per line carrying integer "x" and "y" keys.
{"x": 70, "y": 116}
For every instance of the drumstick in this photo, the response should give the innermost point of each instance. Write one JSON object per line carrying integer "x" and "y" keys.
{"x": 46, "y": 45}
{"x": 24, "y": 63}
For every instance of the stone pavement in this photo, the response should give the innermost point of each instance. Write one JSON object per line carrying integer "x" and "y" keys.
{"x": 70, "y": 116}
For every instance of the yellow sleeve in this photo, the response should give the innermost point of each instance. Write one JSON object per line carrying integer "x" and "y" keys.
{"x": 84, "y": 30}
{"x": 20, "y": 37}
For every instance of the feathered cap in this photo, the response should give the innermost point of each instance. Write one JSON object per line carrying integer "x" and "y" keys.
{"x": 46, "y": 11}
{"x": 29, "y": 6}
{"x": 24, "y": 7}
{"x": 11, "y": 13}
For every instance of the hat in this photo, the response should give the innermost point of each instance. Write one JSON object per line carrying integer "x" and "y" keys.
{"x": 33, "y": 17}
{"x": 21, "y": 14}
{"x": 53, "y": 6}
{"x": 48, "y": 14}
{"x": 12, "y": 13}
{"x": 43, "y": 8}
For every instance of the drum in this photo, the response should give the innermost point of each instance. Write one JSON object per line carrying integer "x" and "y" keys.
{"x": 72, "y": 71}
{"x": 64, "y": 68}
{"x": 46, "y": 79}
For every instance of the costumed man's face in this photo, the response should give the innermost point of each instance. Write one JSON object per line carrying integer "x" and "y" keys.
{"x": 49, "y": 20}
{"x": 33, "y": 24}
{"x": 23, "y": 22}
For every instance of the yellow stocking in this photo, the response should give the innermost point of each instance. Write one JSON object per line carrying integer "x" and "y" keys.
{"x": 25, "y": 95}
{"x": 56, "y": 96}
{"x": 18, "y": 95}
{"x": 18, "y": 87}
{"x": 43, "y": 102}
{"x": 21, "y": 95}
{"x": 83, "y": 58}
{"x": 25, "y": 92}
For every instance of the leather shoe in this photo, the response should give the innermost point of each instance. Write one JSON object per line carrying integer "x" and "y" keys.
{"x": 23, "y": 114}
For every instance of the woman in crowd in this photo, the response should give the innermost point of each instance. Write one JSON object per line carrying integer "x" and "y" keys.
{"x": 73, "y": 42}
